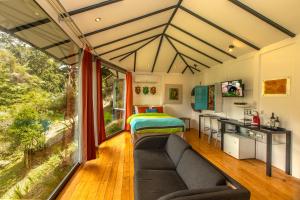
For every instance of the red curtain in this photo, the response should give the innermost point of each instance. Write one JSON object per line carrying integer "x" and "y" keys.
{"x": 129, "y": 102}
{"x": 88, "y": 137}
{"x": 100, "y": 113}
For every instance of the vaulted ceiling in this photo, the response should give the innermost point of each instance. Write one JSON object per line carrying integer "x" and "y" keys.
{"x": 180, "y": 35}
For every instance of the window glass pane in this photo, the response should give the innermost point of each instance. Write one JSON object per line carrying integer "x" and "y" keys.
{"x": 113, "y": 100}
{"x": 38, "y": 103}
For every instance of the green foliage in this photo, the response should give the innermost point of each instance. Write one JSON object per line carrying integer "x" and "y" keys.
{"x": 51, "y": 77}
{"x": 33, "y": 96}
{"x": 112, "y": 128}
{"x": 107, "y": 117}
{"x": 10, "y": 91}
{"x": 27, "y": 129}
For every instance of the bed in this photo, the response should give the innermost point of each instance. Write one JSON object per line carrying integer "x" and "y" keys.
{"x": 143, "y": 124}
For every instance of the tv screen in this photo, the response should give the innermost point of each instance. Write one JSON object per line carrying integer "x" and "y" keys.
{"x": 232, "y": 88}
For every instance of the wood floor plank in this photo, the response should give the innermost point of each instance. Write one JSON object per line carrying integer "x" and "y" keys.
{"x": 110, "y": 177}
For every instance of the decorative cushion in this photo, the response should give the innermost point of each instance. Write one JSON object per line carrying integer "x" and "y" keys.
{"x": 151, "y": 110}
{"x": 152, "y": 184}
{"x": 152, "y": 159}
{"x": 141, "y": 109}
{"x": 197, "y": 173}
{"x": 160, "y": 109}
{"x": 175, "y": 147}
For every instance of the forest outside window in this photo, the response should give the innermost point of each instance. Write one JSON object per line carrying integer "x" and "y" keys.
{"x": 38, "y": 103}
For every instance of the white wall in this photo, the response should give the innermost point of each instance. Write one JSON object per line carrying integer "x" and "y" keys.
{"x": 275, "y": 61}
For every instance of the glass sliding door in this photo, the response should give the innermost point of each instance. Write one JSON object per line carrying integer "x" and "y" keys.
{"x": 38, "y": 103}
{"x": 113, "y": 101}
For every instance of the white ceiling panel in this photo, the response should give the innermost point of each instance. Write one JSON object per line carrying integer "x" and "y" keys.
{"x": 130, "y": 40}
{"x": 68, "y": 48}
{"x": 195, "y": 55}
{"x": 165, "y": 57}
{"x": 178, "y": 66}
{"x": 118, "y": 12}
{"x": 124, "y": 50}
{"x": 133, "y": 38}
{"x": 236, "y": 20}
{"x": 130, "y": 28}
{"x": 209, "y": 33}
{"x": 284, "y": 12}
{"x": 194, "y": 64}
{"x": 16, "y": 13}
{"x": 77, "y": 4}
{"x": 146, "y": 56}
{"x": 197, "y": 44}
{"x": 127, "y": 63}
{"x": 43, "y": 35}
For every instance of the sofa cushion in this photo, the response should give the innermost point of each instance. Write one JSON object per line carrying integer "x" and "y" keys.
{"x": 175, "y": 147}
{"x": 192, "y": 193}
{"x": 152, "y": 159}
{"x": 152, "y": 184}
{"x": 198, "y": 173}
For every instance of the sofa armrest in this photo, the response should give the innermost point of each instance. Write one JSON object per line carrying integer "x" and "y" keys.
{"x": 219, "y": 193}
{"x": 152, "y": 142}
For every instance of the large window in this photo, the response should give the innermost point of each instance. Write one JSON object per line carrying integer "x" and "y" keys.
{"x": 38, "y": 119}
{"x": 113, "y": 100}
{"x": 38, "y": 102}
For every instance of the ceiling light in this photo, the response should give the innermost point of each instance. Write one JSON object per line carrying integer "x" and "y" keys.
{"x": 98, "y": 19}
{"x": 230, "y": 48}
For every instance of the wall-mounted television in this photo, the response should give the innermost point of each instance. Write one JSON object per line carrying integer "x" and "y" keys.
{"x": 232, "y": 88}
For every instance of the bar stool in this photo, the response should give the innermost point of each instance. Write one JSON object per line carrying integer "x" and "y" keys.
{"x": 213, "y": 131}
{"x": 207, "y": 129}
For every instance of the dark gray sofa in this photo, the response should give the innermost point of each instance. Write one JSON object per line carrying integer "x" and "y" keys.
{"x": 167, "y": 168}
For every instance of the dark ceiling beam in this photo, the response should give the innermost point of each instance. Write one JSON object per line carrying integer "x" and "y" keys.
{"x": 263, "y": 18}
{"x": 134, "y": 62}
{"x": 184, "y": 69}
{"x": 203, "y": 41}
{"x": 118, "y": 56}
{"x": 172, "y": 63}
{"x": 157, "y": 52}
{"x": 208, "y": 56}
{"x": 219, "y": 28}
{"x": 91, "y": 7}
{"x": 165, "y": 29}
{"x": 191, "y": 69}
{"x": 182, "y": 58}
{"x": 194, "y": 68}
{"x": 127, "y": 45}
{"x": 112, "y": 65}
{"x": 129, "y": 36}
{"x": 29, "y": 25}
{"x": 128, "y": 21}
{"x": 130, "y": 53}
{"x": 56, "y": 44}
{"x": 69, "y": 56}
{"x": 196, "y": 61}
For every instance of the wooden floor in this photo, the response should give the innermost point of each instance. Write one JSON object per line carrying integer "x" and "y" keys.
{"x": 111, "y": 175}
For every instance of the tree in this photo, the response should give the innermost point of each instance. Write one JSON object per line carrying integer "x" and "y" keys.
{"x": 11, "y": 91}
{"x": 37, "y": 63}
{"x": 27, "y": 132}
